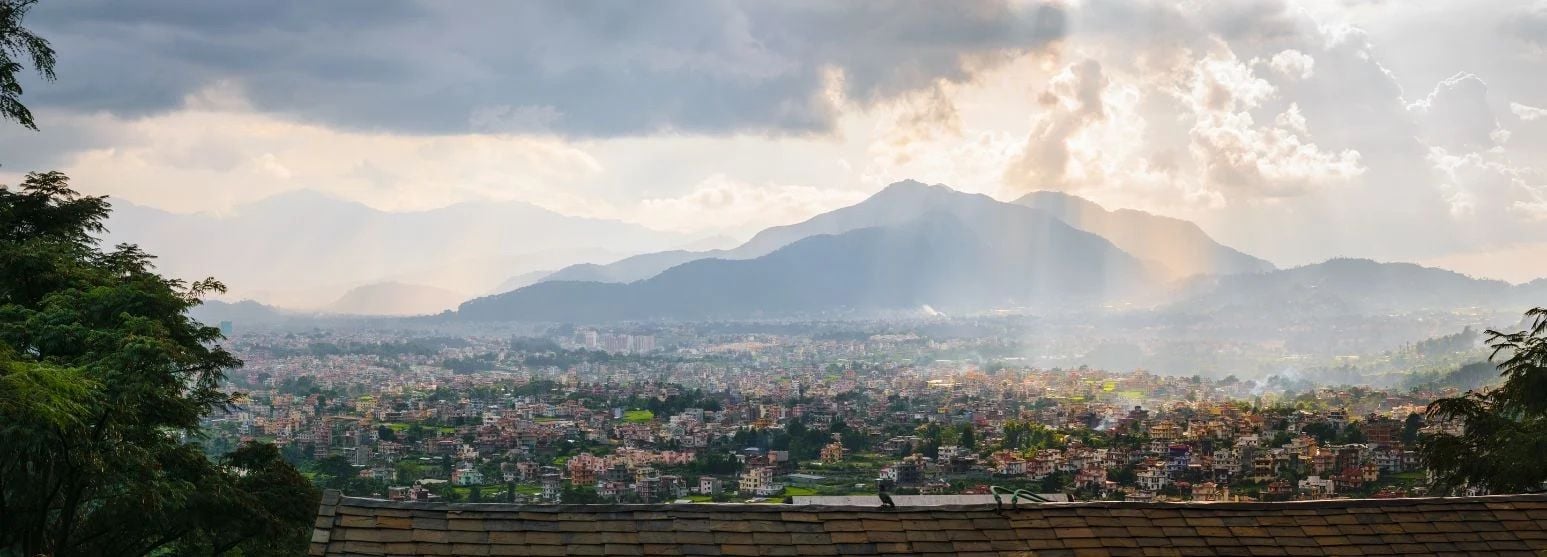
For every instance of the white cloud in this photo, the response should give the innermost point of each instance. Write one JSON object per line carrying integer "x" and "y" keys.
{"x": 1457, "y": 115}
{"x": 1527, "y": 113}
{"x": 1293, "y": 63}
{"x": 1482, "y": 187}
{"x": 1291, "y": 119}
{"x": 213, "y": 160}
{"x": 1071, "y": 102}
{"x": 720, "y": 203}
{"x": 1248, "y": 118}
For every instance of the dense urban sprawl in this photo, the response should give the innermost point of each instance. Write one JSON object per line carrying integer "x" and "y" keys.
{"x": 594, "y": 416}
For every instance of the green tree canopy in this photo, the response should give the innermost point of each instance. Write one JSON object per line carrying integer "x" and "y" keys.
{"x": 1504, "y": 430}
{"x": 18, "y": 45}
{"x": 104, "y": 380}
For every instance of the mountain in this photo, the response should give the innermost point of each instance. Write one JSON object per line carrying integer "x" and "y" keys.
{"x": 396, "y": 298}
{"x": 1181, "y": 245}
{"x": 638, "y": 267}
{"x": 304, "y": 242}
{"x": 519, "y": 281}
{"x": 243, "y": 313}
{"x": 1353, "y": 286}
{"x": 898, "y": 203}
{"x": 715, "y": 242}
{"x": 1008, "y": 256}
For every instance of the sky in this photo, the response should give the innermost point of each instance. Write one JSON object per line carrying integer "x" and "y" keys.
{"x": 1295, "y": 131}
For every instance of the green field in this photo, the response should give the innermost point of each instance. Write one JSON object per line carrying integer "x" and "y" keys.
{"x": 793, "y": 491}
{"x": 638, "y": 416}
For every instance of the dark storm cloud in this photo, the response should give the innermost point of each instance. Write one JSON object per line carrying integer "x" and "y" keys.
{"x": 574, "y": 68}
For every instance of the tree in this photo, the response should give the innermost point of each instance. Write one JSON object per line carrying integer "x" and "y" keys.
{"x": 262, "y": 509}
{"x": 104, "y": 380}
{"x": 1410, "y": 428}
{"x": 18, "y": 45}
{"x": 335, "y": 471}
{"x": 1504, "y": 430}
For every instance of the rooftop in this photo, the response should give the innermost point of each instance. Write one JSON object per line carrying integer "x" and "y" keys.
{"x": 1493, "y": 525}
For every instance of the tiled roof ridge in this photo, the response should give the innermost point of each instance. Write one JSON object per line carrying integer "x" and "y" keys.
{"x": 366, "y": 502}
{"x": 1495, "y": 525}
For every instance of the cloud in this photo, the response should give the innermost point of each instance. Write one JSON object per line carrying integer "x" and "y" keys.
{"x": 1243, "y": 159}
{"x": 1527, "y": 113}
{"x": 919, "y": 120}
{"x": 211, "y": 159}
{"x": 555, "y": 66}
{"x": 1529, "y": 26}
{"x": 722, "y": 203}
{"x": 1484, "y": 187}
{"x": 1075, "y": 144}
{"x": 1071, "y": 102}
{"x": 1293, "y": 63}
{"x": 1348, "y": 123}
{"x": 1456, "y": 115}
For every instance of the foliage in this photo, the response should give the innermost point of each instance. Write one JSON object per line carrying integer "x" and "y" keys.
{"x": 1027, "y": 435}
{"x": 104, "y": 381}
{"x": 18, "y": 45}
{"x": 1504, "y": 429}
{"x": 471, "y": 364}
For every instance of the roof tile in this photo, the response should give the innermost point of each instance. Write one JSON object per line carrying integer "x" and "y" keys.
{"x": 1486, "y": 525}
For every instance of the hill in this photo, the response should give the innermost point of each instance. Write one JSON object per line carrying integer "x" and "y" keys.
{"x": 638, "y": 267}
{"x": 259, "y": 247}
{"x": 395, "y": 298}
{"x": 1351, "y": 287}
{"x": 938, "y": 259}
{"x": 1180, "y": 244}
{"x": 898, "y": 203}
{"x": 243, "y": 313}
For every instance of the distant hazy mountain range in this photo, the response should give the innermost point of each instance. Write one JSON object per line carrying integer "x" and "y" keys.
{"x": 1007, "y": 257}
{"x": 395, "y": 298}
{"x": 1179, "y": 246}
{"x": 1183, "y": 247}
{"x": 913, "y": 245}
{"x": 305, "y": 250}
{"x": 909, "y": 248}
{"x": 1354, "y": 287}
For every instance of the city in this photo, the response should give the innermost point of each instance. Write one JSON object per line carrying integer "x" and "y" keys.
{"x": 981, "y": 278}
{"x": 597, "y": 416}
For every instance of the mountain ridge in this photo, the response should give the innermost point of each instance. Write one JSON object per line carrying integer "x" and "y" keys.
{"x": 395, "y": 299}
{"x": 1181, "y": 244}
{"x": 1175, "y": 243}
{"x": 937, "y": 260}
{"x": 258, "y": 247}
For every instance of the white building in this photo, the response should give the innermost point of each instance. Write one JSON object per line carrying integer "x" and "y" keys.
{"x": 759, "y": 480}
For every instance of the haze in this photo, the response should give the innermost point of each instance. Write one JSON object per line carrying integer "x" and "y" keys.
{"x": 1293, "y": 131}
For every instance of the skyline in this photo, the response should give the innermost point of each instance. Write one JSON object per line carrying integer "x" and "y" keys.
{"x": 1293, "y": 131}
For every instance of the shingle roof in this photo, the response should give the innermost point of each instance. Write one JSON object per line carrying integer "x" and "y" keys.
{"x": 1495, "y": 525}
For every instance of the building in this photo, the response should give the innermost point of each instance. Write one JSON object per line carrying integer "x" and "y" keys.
{"x": 759, "y": 481}
{"x": 832, "y": 453}
{"x": 709, "y": 485}
{"x": 1472, "y": 525}
{"x": 1317, "y": 485}
{"x": 466, "y": 475}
